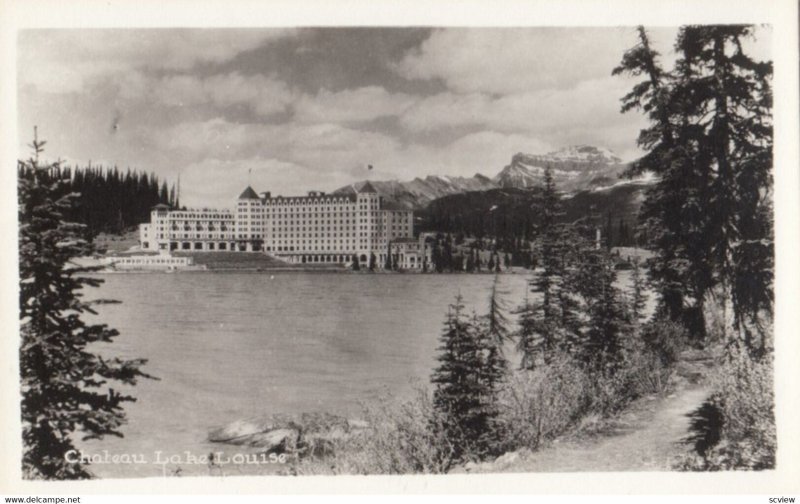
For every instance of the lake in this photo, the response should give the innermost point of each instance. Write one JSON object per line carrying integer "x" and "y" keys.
{"x": 228, "y": 346}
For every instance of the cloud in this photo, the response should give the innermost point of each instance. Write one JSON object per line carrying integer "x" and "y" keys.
{"x": 328, "y": 156}
{"x": 181, "y": 100}
{"x": 63, "y": 60}
{"x": 351, "y": 105}
{"x": 217, "y": 182}
{"x": 585, "y": 113}
{"x": 264, "y": 95}
{"x": 324, "y": 146}
{"x": 513, "y": 60}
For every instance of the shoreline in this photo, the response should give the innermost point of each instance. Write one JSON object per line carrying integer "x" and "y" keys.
{"x": 294, "y": 270}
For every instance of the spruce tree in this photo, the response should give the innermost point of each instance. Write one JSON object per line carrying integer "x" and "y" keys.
{"x": 490, "y": 331}
{"x": 497, "y": 323}
{"x": 66, "y": 389}
{"x": 638, "y": 294}
{"x": 527, "y": 335}
{"x": 709, "y": 216}
{"x": 672, "y": 215}
{"x": 466, "y": 382}
{"x": 737, "y": 166}
{"x": 606, "y": 322}
{"x": 549, "y": 320}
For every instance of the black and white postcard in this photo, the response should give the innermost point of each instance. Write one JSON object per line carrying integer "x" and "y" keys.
{"x": 248, "y": 245}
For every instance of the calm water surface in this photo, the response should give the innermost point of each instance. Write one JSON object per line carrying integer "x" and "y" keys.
{"x": 230, "y": 346}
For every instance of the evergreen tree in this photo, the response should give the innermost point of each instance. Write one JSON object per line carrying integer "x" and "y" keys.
{"x": 466, "y": 382}
{"x": 658, "y": 214}
{"x": 65, "y": 387}
{"x": 372, "y": 261}
{"x": 551, "y": 318}
{"x": 387, "y": 264}
{"x": 638, "y": 294}
{"x": 623, "y": 239}
{"x": 106, "y": 201}
{"x": 447, "y": 256}
{"x": 490, "y": 331}
{"x": 163, "y": 195}
{"x": 606, "y": 322}
{"x": 470, "y": 262}
{"x": 456, "y": 263}
{"x": 528, "y": 335}
{"x": 737, "y": 166}
{"x": 710, "y": 142}
{"x": 436, "y": 258}
{"x": 496, "y": 321}
{"x": 608, "y": 232}
{"x": 356, "y": 266}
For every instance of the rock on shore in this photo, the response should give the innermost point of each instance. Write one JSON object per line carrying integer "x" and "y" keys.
{"x": 302, "y": 434}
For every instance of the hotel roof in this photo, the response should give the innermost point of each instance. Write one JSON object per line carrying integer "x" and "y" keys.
{"x": 249, "y": 193}
{"x": 321, "y": 197}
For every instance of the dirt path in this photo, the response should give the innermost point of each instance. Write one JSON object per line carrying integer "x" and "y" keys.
{"x": 646, "y": 437}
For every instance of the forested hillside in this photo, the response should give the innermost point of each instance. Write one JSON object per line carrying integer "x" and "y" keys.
{"x": 513, "y": 214}
{"x": 110, "y": 200}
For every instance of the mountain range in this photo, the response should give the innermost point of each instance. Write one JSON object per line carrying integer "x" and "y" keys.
{"x": 575, "y": 169}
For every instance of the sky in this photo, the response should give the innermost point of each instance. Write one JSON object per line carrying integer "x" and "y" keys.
{"x": 292, "y": 110}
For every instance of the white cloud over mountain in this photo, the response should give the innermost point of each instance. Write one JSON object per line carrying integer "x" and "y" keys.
{"x": 299, "y": 113}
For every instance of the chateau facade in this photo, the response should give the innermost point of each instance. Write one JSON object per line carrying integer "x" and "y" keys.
{"x": 317, "y": 228}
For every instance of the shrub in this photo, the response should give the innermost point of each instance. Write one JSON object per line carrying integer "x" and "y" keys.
{"x": 664, "y": 339}
{"x": 400, "y": 438}
{"x": 537, "y": 406}
{"x": 647, "y": 372}
{"x": 735, "y": 428}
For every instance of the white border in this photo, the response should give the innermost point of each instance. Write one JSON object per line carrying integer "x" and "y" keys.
{"x": 782, "y": 14}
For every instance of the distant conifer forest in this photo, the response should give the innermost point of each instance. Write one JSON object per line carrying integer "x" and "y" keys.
{"x": 111, "y": 200}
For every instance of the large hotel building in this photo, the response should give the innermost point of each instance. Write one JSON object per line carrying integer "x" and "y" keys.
{"x": 317, "y": 228}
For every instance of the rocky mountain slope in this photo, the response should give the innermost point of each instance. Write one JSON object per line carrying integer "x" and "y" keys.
{"x": 417, "y": 193}
{"x": 575, "y": 169}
